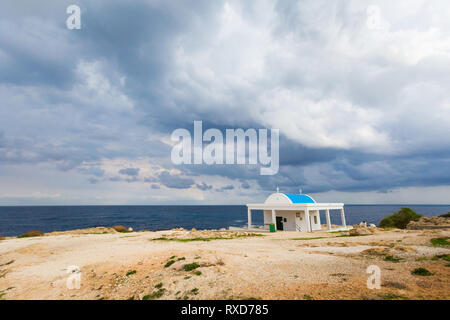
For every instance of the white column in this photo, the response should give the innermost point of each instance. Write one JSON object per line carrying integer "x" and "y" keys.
{"x": 308, "y": 224}
{"x": 343, "y": 218}
{"x": 297, "y": 223}
{"x": 274, "y": 220}
{"x": 327, "y": 214}
{"x": 249, "y": 216}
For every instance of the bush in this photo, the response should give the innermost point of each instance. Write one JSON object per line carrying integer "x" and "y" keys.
{"x": 191, "y": 266}
{"x": 445, "y": 257}
{"x": 155, "y": 295}
{"x": 131, "y": 272}
{"x": 34, "y": 233}
{"x": 421, "y": 272}
{"x": 392, "y": 296}
{"x": 400, "y": 219}
{"x": 169, "y": 263}
{"x": 121, "y": 229}
{"x": 392, "y": 259}
{"x": 447, "y": 215}
{"x": 440, "y": 242}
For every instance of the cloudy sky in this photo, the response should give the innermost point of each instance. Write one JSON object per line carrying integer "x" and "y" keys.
{"x": 359, "y": 90}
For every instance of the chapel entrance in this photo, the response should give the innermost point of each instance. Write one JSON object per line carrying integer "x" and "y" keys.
{"x": 279, "y": 223}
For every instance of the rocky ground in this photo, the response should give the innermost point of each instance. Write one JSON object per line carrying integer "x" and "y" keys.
{"x": 181, "y": 264}
{"x": 438, "y": 222}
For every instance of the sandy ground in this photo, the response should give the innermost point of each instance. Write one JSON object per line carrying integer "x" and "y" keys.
{"x": 270, "y": 266}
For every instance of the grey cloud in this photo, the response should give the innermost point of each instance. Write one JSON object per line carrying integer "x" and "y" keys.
{"x": 93, "y": 180}
{"x": 175, "y": 181}
{"x": 150, "y": 68}
{"x": 95, "y": 171}
{"x": 132, "y": 172}
{"x": 203, "y": 186}
{"x": 245, "y": 185}
{"x": 225, "y": 188}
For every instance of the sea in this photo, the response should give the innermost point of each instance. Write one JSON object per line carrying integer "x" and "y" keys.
{"x": 15, "y": 220}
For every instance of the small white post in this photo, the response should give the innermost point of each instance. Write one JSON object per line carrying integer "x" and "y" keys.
{"x": 327, "y": 214}
{"x": 274, "y": 220}
{"x": 249, "y": 216}
{"x": 308, "y": 224}
{"x": 343, "y": 218}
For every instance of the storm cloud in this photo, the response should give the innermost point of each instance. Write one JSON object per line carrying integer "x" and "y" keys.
{"x": 362, "y": 102}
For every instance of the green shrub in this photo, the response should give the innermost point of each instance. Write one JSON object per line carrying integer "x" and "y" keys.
{"x": 392, "y": 259}
{"x": 440, "y": 242}
{"x": 169, "y": 263}
{"x": 194, "y": 291}
{"x": 421, "y": 272}
{"x": 447, "y": 215}
{"x": 34, "y": 233}
{"x": 154, "y": 295}
{"x": 129, "y": 273}
{"x": 400, "y": 219}
{"x": 422, "y": 259}
{"x": 159, "y": 285}
{"x": 445, "y": 257}
{"x": 392, "y": 296}
{"x": 191, "y": 266}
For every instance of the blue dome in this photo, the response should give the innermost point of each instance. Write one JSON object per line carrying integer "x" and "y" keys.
{"x": 299, "y": 198}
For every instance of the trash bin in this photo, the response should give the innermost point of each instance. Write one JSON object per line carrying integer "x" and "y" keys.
{"x": 272, "y": 228}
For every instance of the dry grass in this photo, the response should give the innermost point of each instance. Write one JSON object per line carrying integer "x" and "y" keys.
{"x": 376, "y": 251}
{"x": 34, "y": 233}
{"x": 394, "y": 284}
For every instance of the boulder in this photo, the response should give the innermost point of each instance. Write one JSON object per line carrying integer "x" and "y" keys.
{"x": 360, "y": 231}
{"x": 438, "y": 222}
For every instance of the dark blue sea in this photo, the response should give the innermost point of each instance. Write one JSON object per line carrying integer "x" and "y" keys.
{"x": 16, "y": 220}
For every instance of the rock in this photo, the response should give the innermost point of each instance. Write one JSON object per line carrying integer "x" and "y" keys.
{"x": 372, "y": 225}
{"x": 358, "y": 231}
{"x": 130, "y": 229}
{"x": 404, "y": 248}
{"x": 376, "y": 251}
{"x": 363, "y": 224}
{"x": 439, "y": 222}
